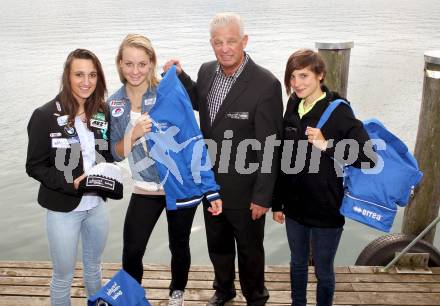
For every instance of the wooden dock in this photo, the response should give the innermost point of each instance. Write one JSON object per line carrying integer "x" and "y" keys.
{"x": 27, "y": 283}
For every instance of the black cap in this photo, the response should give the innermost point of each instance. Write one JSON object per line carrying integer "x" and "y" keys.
{"x": 104, "y": 179}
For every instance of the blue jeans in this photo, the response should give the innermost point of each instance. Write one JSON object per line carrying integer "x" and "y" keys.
{"x": 325, "y": 243}
{"x": 63, "y": 232}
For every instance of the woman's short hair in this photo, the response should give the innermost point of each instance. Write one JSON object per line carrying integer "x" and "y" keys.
{"x": 303, "y": 58}
{"x": 224, "y": 19}
{"x": 140, "y": 42}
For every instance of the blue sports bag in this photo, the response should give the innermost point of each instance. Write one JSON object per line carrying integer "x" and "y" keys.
{"x": 121, "y": 290}
{"x": 371, "y": 195}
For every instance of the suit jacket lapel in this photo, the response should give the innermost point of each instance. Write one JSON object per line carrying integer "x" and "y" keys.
{"x": 210, "y": 74}
{"x": 239, "y": 86}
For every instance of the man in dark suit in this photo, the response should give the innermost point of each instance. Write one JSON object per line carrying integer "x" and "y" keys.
{"x": 240, "y": 106}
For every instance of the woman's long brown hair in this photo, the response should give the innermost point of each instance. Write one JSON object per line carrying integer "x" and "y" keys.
{"x": 96, "y": 101}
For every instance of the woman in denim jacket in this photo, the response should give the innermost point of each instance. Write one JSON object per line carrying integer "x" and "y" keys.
{"x": 129, "y": 106}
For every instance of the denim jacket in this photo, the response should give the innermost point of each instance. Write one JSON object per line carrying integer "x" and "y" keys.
{"x": 142, "y": 166}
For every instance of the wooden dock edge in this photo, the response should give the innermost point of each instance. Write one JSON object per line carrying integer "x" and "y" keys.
{"x": 27, "y": 283}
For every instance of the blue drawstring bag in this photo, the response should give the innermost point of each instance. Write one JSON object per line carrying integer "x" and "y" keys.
{"x": 121, "y": 290}
{"x": 371, "y": 195}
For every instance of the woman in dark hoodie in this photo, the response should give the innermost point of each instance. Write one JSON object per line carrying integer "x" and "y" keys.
{"x": 310, "y": 188}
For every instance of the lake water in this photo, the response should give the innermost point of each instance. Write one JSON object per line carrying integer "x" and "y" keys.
{"x": 386, "y": 73}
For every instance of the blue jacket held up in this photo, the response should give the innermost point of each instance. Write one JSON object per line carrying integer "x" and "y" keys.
{"x": 177, "y": 146}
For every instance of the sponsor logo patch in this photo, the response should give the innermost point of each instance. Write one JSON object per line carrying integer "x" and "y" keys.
{"x": 238, "y": 115}
{"x": 62, "y": 120}
{"x": 60, "y": 143}
{"x": 99, "y": 116}
{"x": 150, "y": 101}
{"x": 57, "y": 134}
{"x": 117, "y": 112}
{"x": 73, "y": 139}
{"x": 367, "y": 213}
{"x": 97, "y": 181}
{"x": 99, "y": 124}
{"x": 70, "y": 130}
{"x": 117, "y": 103}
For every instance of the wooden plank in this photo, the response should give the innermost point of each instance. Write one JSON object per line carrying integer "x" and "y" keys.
{"x": 36, "y": 291}
{"x": 194, "y": 275}
{"x": 383, "y": 298}
{"x": 34, "y": 301}
{"x": 395, "y": 287}
{"x": 277, "y": 297}
{"x": 208, "y": 276}
{"x": 388, "y": 278}
{"x": 44, "y": 301}
{"x": 156, "y": 267}
{"x": 371, "y": 270}
{"x": 152, "y": 294}
{"x": 106, "y": 266}
{"x": 14, "y": 301}
{"x": 409, "y": 298}
{"x": 286, "y": 269}
{"x": 271, "y": 286}
{"x": 78, "y": 282}
{"x": 150, "y": 267}
{"x": 147, "y": 283}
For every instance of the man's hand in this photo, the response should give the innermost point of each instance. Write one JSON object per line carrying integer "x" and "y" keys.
{"x": 216, "y": 207}
{"x": 78, "y": 180}
{"x": 172, "y": 62}
{"x": 257, "y": 211}
{"x": 278, "y": 216}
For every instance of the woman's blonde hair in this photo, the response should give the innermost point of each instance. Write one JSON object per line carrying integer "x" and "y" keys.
{"x": 140, "y": 42}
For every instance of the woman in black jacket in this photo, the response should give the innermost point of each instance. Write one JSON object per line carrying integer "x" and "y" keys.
{"x": 309, "y": 191}
{"x": 67, "y": 136}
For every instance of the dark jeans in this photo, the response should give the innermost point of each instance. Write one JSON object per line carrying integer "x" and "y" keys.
{"x": 325, "y": 243}
{"x": 223, "y": 232}
{"x": 142, "y": 214}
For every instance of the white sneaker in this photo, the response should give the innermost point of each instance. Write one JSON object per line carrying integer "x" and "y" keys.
{"x": 176, "y": 298}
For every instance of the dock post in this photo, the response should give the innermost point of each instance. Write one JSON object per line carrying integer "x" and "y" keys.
{"x": 336, "y": 56}
{"x": 424, "y": 207}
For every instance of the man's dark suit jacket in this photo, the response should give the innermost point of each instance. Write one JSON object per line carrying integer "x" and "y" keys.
{"x": 253, "y": 109}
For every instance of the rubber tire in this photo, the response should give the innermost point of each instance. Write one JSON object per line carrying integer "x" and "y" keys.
{"x": 382, "y": 250}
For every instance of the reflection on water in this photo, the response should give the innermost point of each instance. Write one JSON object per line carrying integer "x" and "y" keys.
{"x": 385, "y": 81}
